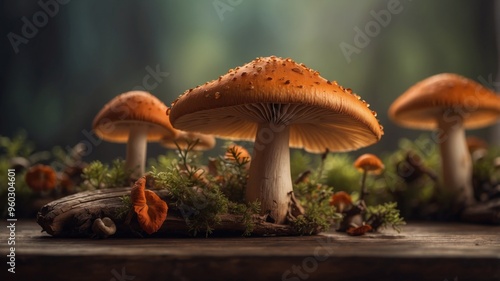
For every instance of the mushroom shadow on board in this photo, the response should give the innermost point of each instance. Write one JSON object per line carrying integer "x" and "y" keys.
{"x": 278, "y": 104}
{"x": 448, "y": 104}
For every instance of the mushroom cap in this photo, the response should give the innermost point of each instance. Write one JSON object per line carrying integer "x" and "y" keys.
{"x": 41, "y": 178}
{"x": 150, "y": 209}
{"x": 341, "y": 200}
{"x": 369, "y": 162}
{"x": 205, "y": 142}
{"x": 424, "y": 103}
{"x": 115, "y": 119}
{"x": 321, "y": 114}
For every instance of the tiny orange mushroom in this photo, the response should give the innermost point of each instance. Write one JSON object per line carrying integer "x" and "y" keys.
{"x": 341, "y": 201}
{"x": 368, "y": 163}
{"x": 150, "y": 209}
{"x": 41, "y": 178}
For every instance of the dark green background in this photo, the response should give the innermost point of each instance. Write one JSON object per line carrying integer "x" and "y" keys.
{"x": 90, "y": 51}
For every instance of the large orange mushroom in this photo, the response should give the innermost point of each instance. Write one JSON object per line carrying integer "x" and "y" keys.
{"x": 278, "y": 104}
{"x": 150, "y": 209}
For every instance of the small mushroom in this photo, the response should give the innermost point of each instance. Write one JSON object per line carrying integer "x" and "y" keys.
{"x": 151, "y": 211}
{"x": 449, "y": 103}
{"x": 41, "y": 178}
{"x": 103, "y": 228}
{"x": 342, "y": 201}
{"x": 277, "y": 103}
{"x": 134, "y": 118}
{"x": 368, "y": 164}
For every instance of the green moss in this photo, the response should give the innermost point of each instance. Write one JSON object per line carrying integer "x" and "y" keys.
{"x": 300, "y": 161}
{"x": 98, "y": 175}
{"x": 17, "y": 146}
{"x": 231, "y": 175}
{"x": 341, "y": 174}
{"x": 414, "y": 190}
{"x": 247, "y": 211}
{"x": 163, "y": 162}
{"x": 200, "y": 200}
{"x": 315, "y": 198}
{"x": 125, "y": 208}
{"x": 384, "y": 215}
{"x": 199, "y": 204}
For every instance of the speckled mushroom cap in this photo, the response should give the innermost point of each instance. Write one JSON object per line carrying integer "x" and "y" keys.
{"x": 321, "y": 114}
{"x": 442, "y": 96}
{"x": 115, "y": 119}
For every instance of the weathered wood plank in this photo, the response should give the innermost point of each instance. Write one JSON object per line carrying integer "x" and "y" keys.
{"x": 421, "y": 252}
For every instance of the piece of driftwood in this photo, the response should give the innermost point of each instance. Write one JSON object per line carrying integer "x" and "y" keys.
{"x": 73, "y": 216}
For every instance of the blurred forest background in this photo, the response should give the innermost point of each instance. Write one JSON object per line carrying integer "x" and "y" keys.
{"x": 83, "y": 53}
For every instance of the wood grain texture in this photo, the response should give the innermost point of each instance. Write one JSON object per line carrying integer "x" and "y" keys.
{"x": 422, "y": 251}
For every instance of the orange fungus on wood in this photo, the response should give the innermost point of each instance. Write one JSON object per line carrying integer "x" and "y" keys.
{"x": 151, "y": 210}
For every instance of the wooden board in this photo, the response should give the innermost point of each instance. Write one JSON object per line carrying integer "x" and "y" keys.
{"x": 423, "y": 251}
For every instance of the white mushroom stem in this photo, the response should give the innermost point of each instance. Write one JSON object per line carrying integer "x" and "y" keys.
{"x": 103, "y": 228}
{"x": 269, "y": 176}
{"x": 136, "y": 150}
{"x": 456, "y": 162}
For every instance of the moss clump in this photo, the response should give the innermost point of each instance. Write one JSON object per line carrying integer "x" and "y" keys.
{"x": 384, "y": 215}
{"x": 247, "y": 211}
{"x": 231, "y": 174}
{"x": 201, "y": 199}
{"x": 198, "y": 203}
{"x": 98, "y": 175}
{"x": 315, "y": 198}
{"x": 124, "y": 210}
